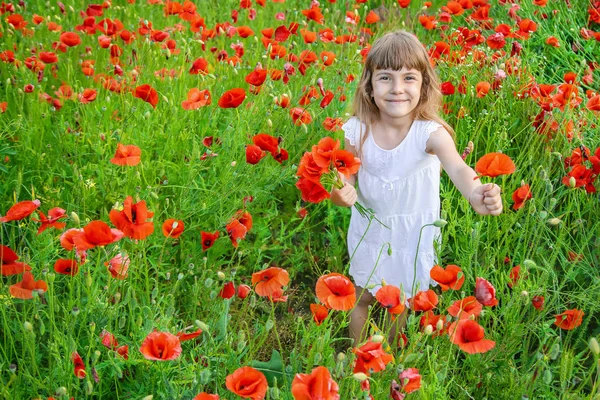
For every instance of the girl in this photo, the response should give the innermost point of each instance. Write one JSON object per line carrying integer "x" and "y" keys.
{"x": 401, "y": 140}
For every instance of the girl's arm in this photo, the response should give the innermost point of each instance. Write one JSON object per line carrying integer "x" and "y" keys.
{"x": 485, "y": 199}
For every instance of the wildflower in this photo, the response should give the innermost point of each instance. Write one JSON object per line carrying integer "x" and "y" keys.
{"x": 161, "y": 346}
{"x": 248, "y": 383}
{"x": 336, "y": 291}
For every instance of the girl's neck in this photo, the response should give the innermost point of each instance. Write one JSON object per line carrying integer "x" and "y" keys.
{"x": 393, "y": 127}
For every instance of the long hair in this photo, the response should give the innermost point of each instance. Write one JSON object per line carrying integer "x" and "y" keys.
{"x": 394, "y": 51}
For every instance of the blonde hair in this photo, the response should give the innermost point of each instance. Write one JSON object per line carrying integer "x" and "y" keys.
{"x": 394, "y": 51}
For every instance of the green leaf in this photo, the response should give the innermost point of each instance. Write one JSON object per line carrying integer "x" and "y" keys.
{"x": 272, "y": 369}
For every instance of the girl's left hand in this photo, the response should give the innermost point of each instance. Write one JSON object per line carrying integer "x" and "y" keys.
{"x": 486, "y": 200}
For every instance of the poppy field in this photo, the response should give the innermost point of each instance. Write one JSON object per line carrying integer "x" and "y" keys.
{"x": 165, "y": 228}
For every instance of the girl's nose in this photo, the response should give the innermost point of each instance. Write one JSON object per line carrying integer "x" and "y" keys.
{"x": 397, "y": 87}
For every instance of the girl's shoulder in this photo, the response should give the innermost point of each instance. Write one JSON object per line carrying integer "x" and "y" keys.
{"x": 423, "y": 130}
{"x": 353, "y": 129}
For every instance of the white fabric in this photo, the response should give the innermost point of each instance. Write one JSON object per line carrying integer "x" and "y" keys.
{"x": 402, "y": 186}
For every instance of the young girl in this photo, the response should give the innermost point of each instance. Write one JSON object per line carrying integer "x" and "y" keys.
{"x": 401, "y": 141}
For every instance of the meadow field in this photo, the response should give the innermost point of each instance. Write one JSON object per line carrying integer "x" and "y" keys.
{"x": 161, "y": 238}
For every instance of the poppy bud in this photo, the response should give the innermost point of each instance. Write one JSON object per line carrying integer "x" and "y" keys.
{"x": 554, "y": 221}
{"x": 572, "y": 182}
{"x": 525, "y": 293}
{"x": 439, "y": 325}
{"x": 88, "y": 280}
{"x": 547, "y": 377}
{"x": 149, "y": 397}
{"x": 220, "y": 275}
{"x": 269, "y": 123}
{"x": 97, "y": 355}
{"x": 275, "y": 393}
{"x": 593, "y": 345}
{"x": 429, "y": 329}
{"x": 201, "y": 325}
{"x": 12, "y": 368}
{"x": 75, "y": 217}
{"x": 529, "y": 264}
{"x": 360, "y": 376}
{"x": 554, "y": 351}
{"x": 377, "y": 339}
{"x": 440, "y": 223}
{"x": 61, "y": 391}
{"x": 28, "y": 327}
{"x": 543, "y": 214}
{"x": 89, "y": 388}
{"x": 342, "y": 356}
{"x": 269, "y": 324}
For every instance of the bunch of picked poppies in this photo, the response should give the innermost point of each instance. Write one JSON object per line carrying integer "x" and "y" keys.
{"x": 320, "y": 171}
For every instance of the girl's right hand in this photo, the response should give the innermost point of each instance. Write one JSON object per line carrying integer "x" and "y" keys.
{"x": 344, "y": 197}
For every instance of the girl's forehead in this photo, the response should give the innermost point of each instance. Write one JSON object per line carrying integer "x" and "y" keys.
{"x": 404, "y": 70}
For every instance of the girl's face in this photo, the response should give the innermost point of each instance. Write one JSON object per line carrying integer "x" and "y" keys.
{"x": 396, "y": 93}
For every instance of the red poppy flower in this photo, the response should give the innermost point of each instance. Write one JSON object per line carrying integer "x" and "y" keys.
{"x": 336, "y": 291}
{"x": 514, "y": 276}
{"x": 8, "y": 262}
{"x": 20, "y": 210}
{"x": 118, "y": 266}
{"x": 87, "y": 96}
{"x": 450, "y": 278}
{"x": 345, "y": 162}
{"x": 312, "y": 191}
{"x": 410, "y": 380}
{"x": 70, "y": 39}
{"x": 316, "y": 385}
{"x": 199, "y": 66}
{"x": 300, "y": 116}
{"x": 161, "y": 346}
{"x": 424, "y": 301}
{"x": 95, "y": 233}
{"x": 243, "y": 291}
{"x": 569, "y": 319}
{"x": 314, "y": 13}
{"x": 127, "y": 155}
{"x": 520, "y": 196}
{"x": 66, "y": 266}
{"x": 78, "y": 365}
{"x": 189, "y": 336}
{"x": 465, "y": 308}
{"x": 172, "y": 228}
{"x": 538, "y": 302}
{"x": 482, "y": 89}
{"x": 309, "y": 169}
{"x": 206, "y": 396}
{"x": 269, "y": 281}
{"x": 248, "y": 383}
{"x": 208, "y": 239}
{"x": 469, "y": 336}
{"x": 266, "y": 142}
{"x": 147, "y": 93}
{"x": 485, "y": 292}
{"x": 196, "y": 98}
{"x": 232, "y": 98}
{"x": 228, "y": 290}
{"x": 132, "y": 220}
{"x": 391, "y": 298}
{"x": 319, "y": 313}
{"x": 333, "y": 124}
{"x": 593, "y": 103}
{"x": 254, "y": 154}
{"x": 495, "y": 164}
{"x": 280, "y": 156}
{"x": 256, "y": 77}
{"x": 371, "y": 357}
{"x": 108, "y": 340}
{"x": 51, "y": 221}
{"x": 24, "y": 289}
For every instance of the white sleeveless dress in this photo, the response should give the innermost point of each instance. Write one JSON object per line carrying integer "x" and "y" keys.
{"x": 402, "y": 186}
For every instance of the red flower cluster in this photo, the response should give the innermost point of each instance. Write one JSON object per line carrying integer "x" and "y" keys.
{"x": 583, "y": 169}
{"x": 324, "y": 159}
{"x": 263, "y": 143}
